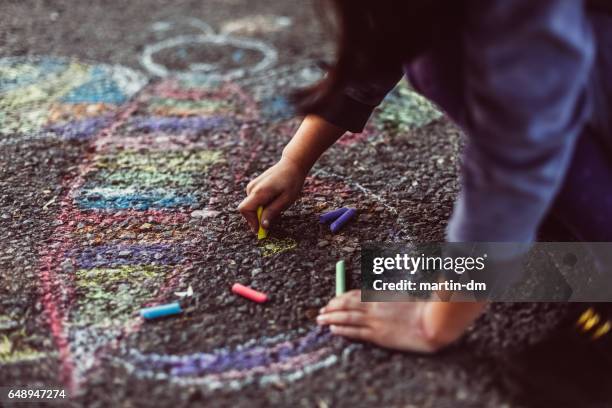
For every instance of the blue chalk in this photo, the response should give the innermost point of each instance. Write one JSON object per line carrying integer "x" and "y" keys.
{"x": 344, "y": 218}
{"x": 161, "y": 311}
{"x": 332, "y": 215}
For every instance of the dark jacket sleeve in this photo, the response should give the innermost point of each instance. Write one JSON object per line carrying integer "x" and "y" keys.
{"x": 351, "y": 107}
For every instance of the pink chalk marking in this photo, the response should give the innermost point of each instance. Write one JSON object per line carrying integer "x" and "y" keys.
{"x": 55, "y": 307}
{"x": 353, "y": 138}
{"x": 104, "y": 219}
{"x": 315, "y": 184}
{"x": 171, "y": 89}
{"x": 57, "y": 290}
{"x": 56, "y": 316}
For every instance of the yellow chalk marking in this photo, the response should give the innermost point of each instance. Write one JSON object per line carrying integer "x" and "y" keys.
{"x": 9, "y": 354}
{"x": 261, "y": 233}
{"x": 274, "y": 246}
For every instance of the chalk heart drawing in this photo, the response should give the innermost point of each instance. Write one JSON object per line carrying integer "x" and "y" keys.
{"x": 123, "y": 238}
{"x": 209, "y": 71}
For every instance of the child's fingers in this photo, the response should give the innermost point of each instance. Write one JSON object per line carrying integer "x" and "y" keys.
{"x": 251, "y": 219}
{"x": 349, "y": 300}
{"x": 353, "y": 332}
{"x": 253, "y": 183}
{"x": 248, "y": 206}
{"x": 343, "y": 318}
{"x": 273, "y": 210}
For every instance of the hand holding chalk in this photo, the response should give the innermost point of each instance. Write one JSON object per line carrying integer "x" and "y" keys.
{"x": 274, "y": 190}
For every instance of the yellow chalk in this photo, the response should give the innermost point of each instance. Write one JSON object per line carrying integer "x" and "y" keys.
{"x": 262, "y": 233}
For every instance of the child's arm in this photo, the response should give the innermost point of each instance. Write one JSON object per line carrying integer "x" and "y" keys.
{"x": 279, "y": 186}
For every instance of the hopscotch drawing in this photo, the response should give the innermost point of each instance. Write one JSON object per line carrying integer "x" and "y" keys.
{"x": 124, "y": 234}
{"x": 143, "y": 177}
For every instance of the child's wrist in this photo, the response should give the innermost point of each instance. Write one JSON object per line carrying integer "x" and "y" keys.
{"x": 299, "y": 165}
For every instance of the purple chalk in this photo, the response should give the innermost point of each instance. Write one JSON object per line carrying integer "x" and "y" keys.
{"x": 332, "y": 215}
{"x": 344, "y": 218}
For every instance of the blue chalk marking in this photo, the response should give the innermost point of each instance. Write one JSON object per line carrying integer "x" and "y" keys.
{"x": 237, "y": 56}
{"x": 137, "y": 201}
{"x": 99, "y": 89}
{"x": 174, "y": 124}
{"x": 343, "y": 219}
{"x": 332, "y": 215}
{"x": 117, "y": 255}
{"x": 278, "y": 108}
{"x": 161, "y": 311}
{"x": 79, "y": 130}
{"x": 44, "y": 69}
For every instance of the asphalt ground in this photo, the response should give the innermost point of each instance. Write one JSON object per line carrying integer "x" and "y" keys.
{"x": 118, "y": 188}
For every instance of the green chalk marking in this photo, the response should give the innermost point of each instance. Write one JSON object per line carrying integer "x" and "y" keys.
{"x": 207, "y": 106}
{"x": 404, "y": 110}
{"x": 144, "y": 178}
{"x": 162, "y": 162}
{"x": 109, "y": 295}
{"x": 340, "y": 278}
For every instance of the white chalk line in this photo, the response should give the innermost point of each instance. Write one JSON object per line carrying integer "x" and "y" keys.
{"x": 212, "y": 383}
{"x": 348, "y": 180}
{"x": 357, "y": 185}
{"x": 208, "y": 71}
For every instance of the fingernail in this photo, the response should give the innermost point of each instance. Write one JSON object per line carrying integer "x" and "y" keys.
{"x": 321, "y": 319}
{"x": 332, "y": 328}
{"x": 322, "y": 310}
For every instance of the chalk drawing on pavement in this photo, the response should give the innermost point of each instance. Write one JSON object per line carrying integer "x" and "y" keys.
{"x": 209, "y": 71}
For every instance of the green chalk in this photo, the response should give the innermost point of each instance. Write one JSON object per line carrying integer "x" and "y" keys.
{"x": 340, "y": 278}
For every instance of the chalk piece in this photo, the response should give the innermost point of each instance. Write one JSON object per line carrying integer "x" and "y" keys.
{"x": 187, "y": 293}
{"x": 249, "y": 293}
{"x": 261, "y": 233}
{"x": 155, "y": 312}
{"x": 340, "y": 278}
{"x": 332, "y": 215}
{"x": 343, "y": 219}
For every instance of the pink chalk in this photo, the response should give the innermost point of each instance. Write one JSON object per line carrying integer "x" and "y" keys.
{"x": 249, "y": 293}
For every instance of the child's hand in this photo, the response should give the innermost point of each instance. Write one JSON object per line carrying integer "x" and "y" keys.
{"x": 411, "y": 326}
{"x": 274, "y": 190}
